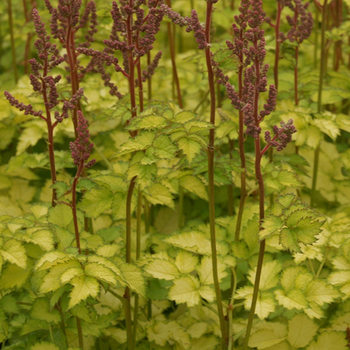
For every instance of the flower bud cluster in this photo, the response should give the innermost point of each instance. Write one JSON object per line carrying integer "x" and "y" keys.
{"x": 28, "y": 109}
{"x": 69, "y": 105}
{"x": 81, "y": 148}
{"x": 283, "y": 135}
{"x": 199, "y": 32}
{"x": 249, "y": 47}
{"x": 301, "y": 24}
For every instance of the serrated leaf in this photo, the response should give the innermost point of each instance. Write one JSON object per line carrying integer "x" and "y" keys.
{"x": 83, "y": 287}
{"x": 60, "y": 187}
{"x": 39, "y": 210}
{"x": 159, "y": 194}
{"x": 301, "y": 330}
{"x": 193, "y": 241}
{"x": 205, "y": 270}
{"x": 52, "y": 281}
{"x": 47, "y": 260}
{"x": 185, "y": 290}
{"x": 146, "y": 174}
{"x": 328, "y": 127}
{"x": 13, "y": 276}
{"x": 293, "y": 299}
{"x": 271, "y": 224}
{"x": 41, "y": 311}
{"x": 61, "y": 215}
{"x": 186, "y": 262}
{"x": 69, "y": 274}
{"x": 15, "y": 253}
{"x": 319, "y": 292}
{"x": 268, "y": 334}
{"x": 184, "y": 116}
{"x": 95, "y": 202}
{"x": 269, "y": 275}
{"x": 164, "y": 147}
{"x": 134, "y": 278}
{"x": 29, "y": 137}
{"x": 329, "y": 341}
{"x": 148, "y": 122}
{"x": 44, "y": 345}
{"x": 289, "y": 240}
{"x": 43, "y": 238}
{"x": 193, "y": 184}
{"x": 162, "y": 269}
{"x": 139, "y": 143}
{"x": 101, "y": 272}
{"x": 190, "y": 148}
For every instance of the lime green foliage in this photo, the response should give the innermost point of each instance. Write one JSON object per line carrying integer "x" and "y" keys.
{"x": 46, "y": 285}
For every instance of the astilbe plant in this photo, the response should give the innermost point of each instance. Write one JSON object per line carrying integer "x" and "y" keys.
{"x": 133, "y": 35}
{"x": 250, "y": 49}
{"x": 65, "y": 24}
{"x": 46, "y": 85}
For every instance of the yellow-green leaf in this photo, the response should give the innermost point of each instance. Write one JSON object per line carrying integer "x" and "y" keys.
{"x": 83, "y": 287}
{"x": 162, "y": 269}
{"x": 193, "y": 184}
{"x": 185, "y": 290}
{"x": 15, "y": 253}
{"x": 301, "y": 331}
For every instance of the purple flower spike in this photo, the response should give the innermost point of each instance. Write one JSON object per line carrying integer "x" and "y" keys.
{"x": 81, "y": 147}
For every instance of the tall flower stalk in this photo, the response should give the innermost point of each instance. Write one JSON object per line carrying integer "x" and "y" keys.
{"x": 65, "y": 23}
{"x": 133, "y": 34}
{"x": 46, "y": 86}
{"x": 250, "y": 49}
{"x": 203, "y": 40}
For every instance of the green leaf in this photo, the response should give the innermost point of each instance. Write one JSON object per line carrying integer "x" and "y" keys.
{"x": 29, "y": 137}
{"x": 292, "y": 299}
{"x": 15, "y": 253}
{"x": 83, "y": 287}
{"x": 271, "y": 224}
{"x": 44, "y": 346}
{"x": 185, "y": 290}
{"x": 329, "y": 341}
{"x": 190, "y": 148}
{"x": 164, "y": 147}
{"x": 134, "y": 278}
{"x": 162, "y": 269}
{"x": 184, "y": 116}
{"x": 61, "y": 188}
{"x": 43, "y": 238}
{"x": 301, "y": 330}
{"x": 159, "y": 194}
{"x": 268, "y": 334}
{"x": 69, "y": 274}
{"x": 101, "y": 272}
{"x": 192, "y": 241}
{"x": 61, "y": 215}
{"x": 320, "y": 292}
{"x": 141, "y": 142}
{"x": 146, "y": 174}
{"x": 186, "y": 262}
{"x": 41, "y": 311}
{"x": 13, "y": 276}
{"x": 269, "y": 275}
{"x": 289, "y": 240}
{"x": 52, "y": 281}
{"x": 50, "y": 259}
{"x": 205, "y": 270}
{"x": 96, "y": 201}
{"x": 147, "y": 122}
{"x": 194, "y": 185}
{"x": 328, "y": 127}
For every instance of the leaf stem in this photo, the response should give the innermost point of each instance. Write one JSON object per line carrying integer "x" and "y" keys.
{"x": 12, "y": 37}
{"x": 80, "y": 333}
{"x": 210, "y": 152}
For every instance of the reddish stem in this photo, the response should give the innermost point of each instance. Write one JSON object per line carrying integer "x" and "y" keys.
{"x": 74, "y": 205}
{"x": 278, "y": 42}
